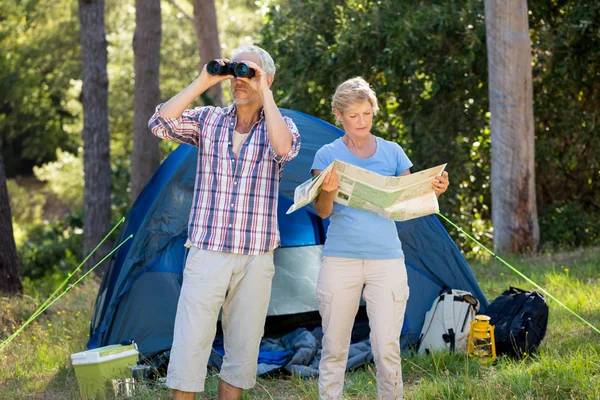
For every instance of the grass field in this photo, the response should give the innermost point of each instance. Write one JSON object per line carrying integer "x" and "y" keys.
{"x": 36, "y": 365}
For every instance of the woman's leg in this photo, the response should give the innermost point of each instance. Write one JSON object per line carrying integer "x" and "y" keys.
{"x": 386, "y": 293}
{"x": 338, "y": 290}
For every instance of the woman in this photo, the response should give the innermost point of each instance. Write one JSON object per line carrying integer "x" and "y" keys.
{"x": 362, "y": 249}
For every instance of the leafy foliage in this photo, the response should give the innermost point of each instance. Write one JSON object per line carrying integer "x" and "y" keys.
{"x": 427, "y": 62}
{"x": 35, "y": 82}
{"x": 41, "y": 114}
{"x": 26, "y": 209}
{"x": 64, "y": 177}
{"x": 53, "y": 247}
{"x": 566, "y": 49}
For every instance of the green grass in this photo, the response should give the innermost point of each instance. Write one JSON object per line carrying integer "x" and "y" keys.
{"x": 36, "y": 365}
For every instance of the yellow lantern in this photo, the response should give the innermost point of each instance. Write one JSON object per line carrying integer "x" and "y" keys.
{"x": 481, "y": 340}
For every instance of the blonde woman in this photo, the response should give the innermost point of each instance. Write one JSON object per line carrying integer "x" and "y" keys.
{"x": 362, "y": 249}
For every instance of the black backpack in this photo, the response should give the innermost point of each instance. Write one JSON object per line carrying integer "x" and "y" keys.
{"x": 520, "y": 319}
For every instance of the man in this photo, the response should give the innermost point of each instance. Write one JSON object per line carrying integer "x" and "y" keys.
{"x": 232, "y": 231}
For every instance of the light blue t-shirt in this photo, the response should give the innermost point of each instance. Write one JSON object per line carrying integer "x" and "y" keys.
{"x": 355, "y": 233}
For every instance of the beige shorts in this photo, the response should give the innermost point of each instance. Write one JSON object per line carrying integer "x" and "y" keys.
{"x": 241, "y": 285}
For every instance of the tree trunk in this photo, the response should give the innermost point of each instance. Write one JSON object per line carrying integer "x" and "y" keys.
{"x": 514, "y": 211}
{"x": 96, "y": 155}
{"x": 146, "y": 46}
{"x": 10, "y": 282}
{"x": 209, "y": 48}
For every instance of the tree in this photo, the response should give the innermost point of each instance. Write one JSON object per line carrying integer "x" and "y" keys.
{"x": 96, "y": 149}
{"x": 10, "y": 282}
{"x": 205, "y": 23}
{"x": 514, "y": 209}
{"x": 146, "y": 47}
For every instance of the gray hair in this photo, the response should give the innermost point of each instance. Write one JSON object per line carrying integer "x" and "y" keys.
{"x": 268, "y": 65}
{"x": 353, "y": 91}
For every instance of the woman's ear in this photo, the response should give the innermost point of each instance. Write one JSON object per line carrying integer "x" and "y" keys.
{"x": 338, "y": 115}
{"x": 270, "y": 80}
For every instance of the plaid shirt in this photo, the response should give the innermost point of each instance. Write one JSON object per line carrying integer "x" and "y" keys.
{"x": 235, "y": 200}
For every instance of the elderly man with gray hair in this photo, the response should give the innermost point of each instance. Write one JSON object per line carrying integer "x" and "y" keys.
{"x": 232, "y": 230}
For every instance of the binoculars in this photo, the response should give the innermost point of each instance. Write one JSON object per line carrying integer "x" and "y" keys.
{"x": 239, "y": 70}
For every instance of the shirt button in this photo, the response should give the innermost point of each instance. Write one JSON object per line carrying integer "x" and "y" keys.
{"x": 231, "y": 204}
{"x": 230, "y": 143}
{"x": 235, "y": 183}
{"x": 230, "y": 225}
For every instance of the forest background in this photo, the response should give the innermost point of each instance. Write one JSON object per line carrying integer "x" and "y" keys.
{"x": 427, "y": 62}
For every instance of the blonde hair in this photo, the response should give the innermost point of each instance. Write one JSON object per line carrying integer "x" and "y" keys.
{"x": 353, "y": 91}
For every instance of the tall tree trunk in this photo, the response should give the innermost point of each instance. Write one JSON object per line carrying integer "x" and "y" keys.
{"x": 514, "y": 211}
{"x": 146, "y": 46}
{"x": 10, "y": 282}
{"x": 96, "y": 155}
{"x": 205, "y": 23}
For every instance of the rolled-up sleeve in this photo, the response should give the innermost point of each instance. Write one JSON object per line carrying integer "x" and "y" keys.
{"x": 295, "y": 143}
{"x": 185, "y": 129}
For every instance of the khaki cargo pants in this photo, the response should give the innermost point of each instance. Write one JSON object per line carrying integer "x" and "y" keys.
{"x": 339, "y": 288}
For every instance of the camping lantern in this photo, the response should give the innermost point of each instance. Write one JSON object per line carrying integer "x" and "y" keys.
{"x": 481, "y": 340}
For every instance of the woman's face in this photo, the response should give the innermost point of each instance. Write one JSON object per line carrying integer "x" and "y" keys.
{"x": 357, "y": 119}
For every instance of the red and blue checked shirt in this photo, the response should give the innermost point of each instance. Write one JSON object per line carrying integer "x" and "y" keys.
{"x": 234, "y": 209}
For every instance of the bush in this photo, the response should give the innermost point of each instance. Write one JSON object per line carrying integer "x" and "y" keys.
{"x": 52, "y": 247}
{"x": 567, "y": 225}
{"x": 26, "y": 209}
{"x": 64, "y": 177}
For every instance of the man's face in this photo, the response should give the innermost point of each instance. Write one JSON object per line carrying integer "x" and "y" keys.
{"x": 241, "y": 92}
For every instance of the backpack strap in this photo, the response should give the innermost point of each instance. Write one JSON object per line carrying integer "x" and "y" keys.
{"x": 448, "y": 304}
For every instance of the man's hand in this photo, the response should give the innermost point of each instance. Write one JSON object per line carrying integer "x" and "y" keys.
{"x": 440, "y": 183}
{"x": 259, "y": 82}
{"x": 175, "y": 107}
{"x": 207, "y": 80}
{"x": 330, "y": 184}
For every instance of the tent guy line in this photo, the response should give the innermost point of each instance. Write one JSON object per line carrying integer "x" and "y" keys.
{"x": 520, "y": 273}
{"x": 41, "y": 308}
{"x": 153, "y": 260}
{"x": 47, "y": 304}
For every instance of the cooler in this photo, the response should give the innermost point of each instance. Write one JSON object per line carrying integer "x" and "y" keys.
{"x": 94, "y": 368}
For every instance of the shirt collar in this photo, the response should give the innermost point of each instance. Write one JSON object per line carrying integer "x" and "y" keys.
{"x": 231, "y": 111}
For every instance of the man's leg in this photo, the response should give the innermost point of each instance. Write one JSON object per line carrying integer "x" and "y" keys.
{"x": 205, "y": 280}
{"x": 179, "y": 395}
{"x": 228, "y": 392}
{"x": 339, "y": 286}
{"x": 243, "y": 321}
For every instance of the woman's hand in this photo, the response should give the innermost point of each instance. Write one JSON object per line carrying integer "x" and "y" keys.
{"x": 440, "y": 183}
{"x": 330, "y": 184}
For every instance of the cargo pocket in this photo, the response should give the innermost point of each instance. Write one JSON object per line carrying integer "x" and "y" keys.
{"x": 195, "y": 268}
{"x": 324, "y": 299}
{"x": 401, "y": 296}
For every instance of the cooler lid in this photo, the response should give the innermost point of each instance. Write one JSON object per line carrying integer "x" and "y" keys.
{"x": 102, "y": 354}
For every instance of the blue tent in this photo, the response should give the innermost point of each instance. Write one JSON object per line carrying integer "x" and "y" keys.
{"x": 139, "y": 292}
